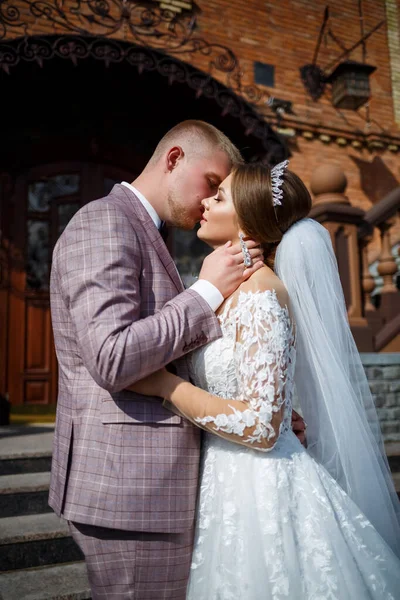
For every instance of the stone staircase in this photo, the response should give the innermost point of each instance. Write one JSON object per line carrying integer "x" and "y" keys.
{"x": 38, "y": 558}
{"x": 393, "y": 454}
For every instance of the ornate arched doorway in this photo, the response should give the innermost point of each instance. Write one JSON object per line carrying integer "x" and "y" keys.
{"x": 73, "y": 127}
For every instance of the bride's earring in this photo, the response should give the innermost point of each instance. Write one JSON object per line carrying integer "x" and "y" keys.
{"x": 246, "y": 254}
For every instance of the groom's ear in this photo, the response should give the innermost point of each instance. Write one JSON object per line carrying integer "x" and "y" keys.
{"x": 173, "y": 156}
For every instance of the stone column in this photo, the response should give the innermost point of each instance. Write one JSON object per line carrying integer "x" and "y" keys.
{"x": 332, "y": 208}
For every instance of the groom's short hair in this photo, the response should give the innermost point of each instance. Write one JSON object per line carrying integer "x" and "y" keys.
{"x": 197, "y": 137}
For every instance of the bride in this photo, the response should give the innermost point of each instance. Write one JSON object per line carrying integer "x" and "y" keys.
{"x": 276, "y": 520}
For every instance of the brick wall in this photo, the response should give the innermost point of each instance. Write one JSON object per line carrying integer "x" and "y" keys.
{"x": 383, "y": 372}
{"x": 392, "y": 23}
{"x": 284, "y": 34}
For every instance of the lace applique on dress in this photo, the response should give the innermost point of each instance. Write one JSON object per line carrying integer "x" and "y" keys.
{"x": 257, "y": 353}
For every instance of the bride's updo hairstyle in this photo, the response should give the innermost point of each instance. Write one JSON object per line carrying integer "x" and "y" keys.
{"x": 259, "y": 219}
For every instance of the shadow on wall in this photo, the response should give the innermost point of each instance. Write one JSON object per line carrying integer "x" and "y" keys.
{"x": 376, "y": 179}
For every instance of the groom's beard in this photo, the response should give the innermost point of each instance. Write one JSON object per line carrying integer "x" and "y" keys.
{"x": 178, "y": 216}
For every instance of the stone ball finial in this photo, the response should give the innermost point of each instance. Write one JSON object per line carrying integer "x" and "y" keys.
{"x": 328, "y": 184}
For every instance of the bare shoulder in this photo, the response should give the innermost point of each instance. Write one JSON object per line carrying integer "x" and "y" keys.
{"x": 263, "y": 280}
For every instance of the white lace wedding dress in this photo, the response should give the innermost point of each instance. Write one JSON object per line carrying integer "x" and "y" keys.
{"x": 273, "y": 524}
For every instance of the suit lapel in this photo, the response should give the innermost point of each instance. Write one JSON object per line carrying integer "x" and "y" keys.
{"x": 158, "y": 243}
{"x": 153, "y": 234}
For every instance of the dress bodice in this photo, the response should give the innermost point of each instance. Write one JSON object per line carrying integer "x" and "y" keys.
{"x": 253, "y": 361}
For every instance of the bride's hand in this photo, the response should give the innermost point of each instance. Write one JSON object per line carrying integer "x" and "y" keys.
{"x": 152, "y": 385}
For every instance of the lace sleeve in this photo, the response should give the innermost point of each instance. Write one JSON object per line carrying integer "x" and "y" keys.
{"x": 264, "y": 340}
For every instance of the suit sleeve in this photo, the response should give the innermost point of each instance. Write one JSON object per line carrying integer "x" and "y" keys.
{"x": 98, "y": 262}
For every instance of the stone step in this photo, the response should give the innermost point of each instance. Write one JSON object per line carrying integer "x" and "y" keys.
{"x": 61, "y": 582}
{"x": 393, "y": 454}
{"x": 25, "y": 449}
{"x": 35, "y": 540}
{"x": 25, "y": 494}
{"x": 33, "y": 464}
{"x": 396, "y": 480}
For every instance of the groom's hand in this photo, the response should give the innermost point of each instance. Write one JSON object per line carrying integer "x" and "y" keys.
{"x": 225, "y": 268}
{"x": 299, "y": 427}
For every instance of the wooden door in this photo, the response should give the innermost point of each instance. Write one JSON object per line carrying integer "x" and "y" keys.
{"x": 44, "y": 201}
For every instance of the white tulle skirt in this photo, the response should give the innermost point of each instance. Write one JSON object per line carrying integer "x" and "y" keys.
{"x": 277, "y": 526}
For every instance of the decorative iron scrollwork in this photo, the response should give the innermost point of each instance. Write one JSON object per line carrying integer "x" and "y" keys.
{"x": 140, "y": 23}
{"x": 130, "y": 21}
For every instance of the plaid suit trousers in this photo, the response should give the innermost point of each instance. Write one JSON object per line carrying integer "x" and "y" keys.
{"x": 128, "y": 565}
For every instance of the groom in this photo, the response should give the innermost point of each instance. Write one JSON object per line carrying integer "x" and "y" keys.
{"x": 125, "y": 470}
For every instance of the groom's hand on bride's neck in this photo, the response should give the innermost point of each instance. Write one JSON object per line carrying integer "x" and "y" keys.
{"x": 225, "y": 268}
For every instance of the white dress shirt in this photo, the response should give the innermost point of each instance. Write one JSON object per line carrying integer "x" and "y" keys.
{"x": 204, "y": 288}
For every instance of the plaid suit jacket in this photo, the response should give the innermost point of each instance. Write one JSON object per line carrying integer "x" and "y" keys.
{"x": 119, "y": 312}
